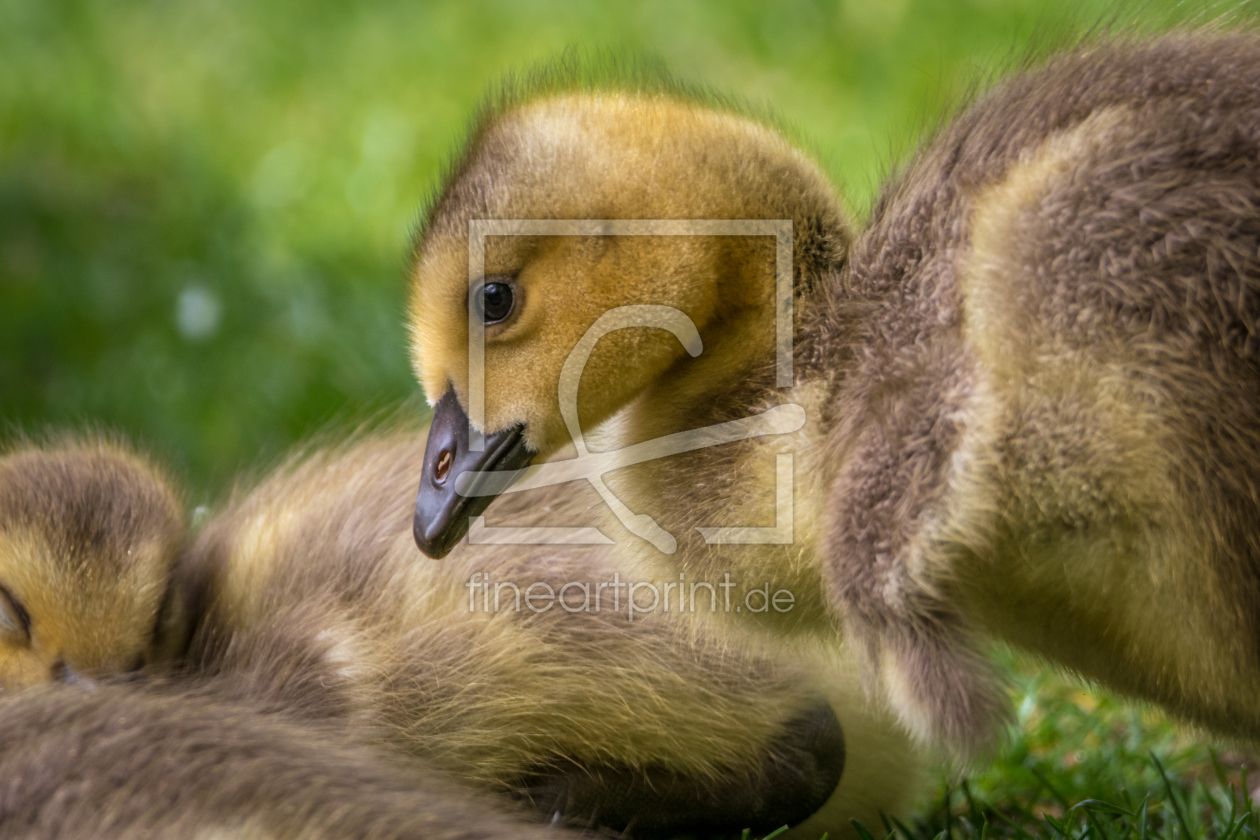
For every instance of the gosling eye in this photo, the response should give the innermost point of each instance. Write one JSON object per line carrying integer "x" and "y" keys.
{"x": 495, "y": 301}
{"x": 15, "y": 624}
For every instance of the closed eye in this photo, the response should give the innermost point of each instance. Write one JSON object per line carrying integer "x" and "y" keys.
{"x": 15, "y": 624}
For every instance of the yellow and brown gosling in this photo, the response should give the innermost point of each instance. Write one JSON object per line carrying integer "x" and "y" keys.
{"x": 89, "y": 533}
{"x": 1029, "y": 386}
{"x": 605, "y": 203}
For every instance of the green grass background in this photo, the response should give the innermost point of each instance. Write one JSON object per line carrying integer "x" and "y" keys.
{"x": 205, "y": 207}
{"x": 256, "y": 166}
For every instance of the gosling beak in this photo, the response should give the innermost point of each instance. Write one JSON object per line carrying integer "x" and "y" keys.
{"x": 442, "y": 513}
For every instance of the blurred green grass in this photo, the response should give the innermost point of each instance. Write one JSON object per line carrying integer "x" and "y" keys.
{"x": 205, "y": 206}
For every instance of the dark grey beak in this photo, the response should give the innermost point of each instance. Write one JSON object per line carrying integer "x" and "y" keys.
{"x": 442, "y": 514}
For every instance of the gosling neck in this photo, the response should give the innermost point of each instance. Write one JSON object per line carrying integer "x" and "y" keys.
{"x": 730, "y": 373}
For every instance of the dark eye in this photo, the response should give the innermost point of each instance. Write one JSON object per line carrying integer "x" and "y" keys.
{"x": 497, "y": 300}
{"x": 14, "y": 622}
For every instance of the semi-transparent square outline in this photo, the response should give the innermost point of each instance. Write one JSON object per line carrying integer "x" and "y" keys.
{"x": 479, "y": 229}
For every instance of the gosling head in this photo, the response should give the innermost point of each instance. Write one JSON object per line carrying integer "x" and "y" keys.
{"x": 88, "y": 535}
{"x": 597, "y": 156}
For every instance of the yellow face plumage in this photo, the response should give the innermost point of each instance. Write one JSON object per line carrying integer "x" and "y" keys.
{"x": 88, "y": 536}
{"x": 595, "y": 158}
{"x": 580, "y": 157}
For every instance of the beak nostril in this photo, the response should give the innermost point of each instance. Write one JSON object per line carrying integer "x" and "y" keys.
{"x": 443, "y": 467}
{"x": 443, "y": 513}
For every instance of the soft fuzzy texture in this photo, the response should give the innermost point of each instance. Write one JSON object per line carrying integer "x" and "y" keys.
{"x": 89, "y": 532}
{"x": 315, "y": 601}
{"x": 137, "y": 761}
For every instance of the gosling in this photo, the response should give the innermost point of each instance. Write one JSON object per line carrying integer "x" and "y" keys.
{"x": 89, "y": 533}
{"x": 1028, "y": 386}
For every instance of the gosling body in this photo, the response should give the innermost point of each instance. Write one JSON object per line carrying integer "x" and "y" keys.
{"x": 1046, "y": 426}
{"x": 313, "y": 602}
{"x": 133, "y": 761}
